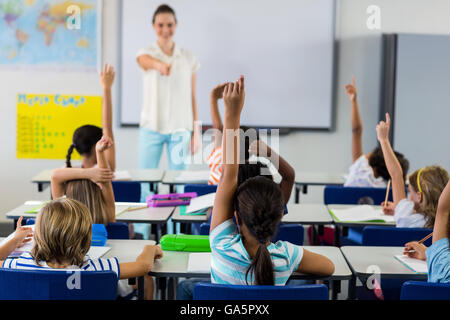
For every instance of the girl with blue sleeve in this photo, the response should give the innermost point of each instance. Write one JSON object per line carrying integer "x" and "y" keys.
{"x": 438, "y": 254}
{"x": 246, "y": 255}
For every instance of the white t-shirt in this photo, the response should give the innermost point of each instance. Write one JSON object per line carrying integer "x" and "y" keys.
{"x": 361, "y": 175}
{"x": 167, "y": 100}
{"x": 405, "y": 217}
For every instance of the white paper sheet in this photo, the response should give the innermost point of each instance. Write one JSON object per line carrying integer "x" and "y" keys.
{"x": 201, "y": 203}
{"x": 122, "y": 175}
{"x": 193, "y": 176}
{"x": 199, "y": 262}
{"x": 362, "y": 213}
{"x": 415, "y": 265}
{"x": 97, "y": 252}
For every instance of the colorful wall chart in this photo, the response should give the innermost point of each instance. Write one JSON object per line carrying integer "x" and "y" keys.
{"x": 45, "y": 123}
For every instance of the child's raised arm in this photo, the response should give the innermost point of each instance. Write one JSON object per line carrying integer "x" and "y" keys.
{"x": 143, "y": 263}
{"x": 357, "y": 150}
{"x": 216, "y": 94}
{"x": 60, "y": 176}
{"x": 392, "y": 164}
{"x": 107, "y": 79}
{"x": 440, "y": 230}
{"x": 233, "y": 96}
{"x": 101, "y": 148}
{"x": 261, "y": 149}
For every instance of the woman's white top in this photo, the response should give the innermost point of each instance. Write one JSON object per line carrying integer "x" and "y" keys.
{"x": 167, "y": 100}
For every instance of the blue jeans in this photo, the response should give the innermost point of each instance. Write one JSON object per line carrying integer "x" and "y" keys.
{"x": 151, "y": 145}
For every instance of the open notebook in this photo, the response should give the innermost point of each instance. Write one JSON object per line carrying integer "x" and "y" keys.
{"x": 362, "y": 213}
{"x": 193, "y": 176}
{"x": 201, "y": 203}
{"x": 94, "y": 252}
{"x": 416, "y": 265}
{"x": 199, "y": 262}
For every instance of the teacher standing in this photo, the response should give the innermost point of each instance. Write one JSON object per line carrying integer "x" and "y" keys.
{"x": 169, "y": 109}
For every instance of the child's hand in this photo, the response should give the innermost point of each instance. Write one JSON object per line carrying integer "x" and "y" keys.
{"x": 164, "y": 69}
{"x": 23, "y": 234}
{"x": 351, "y": 90}
{"x": 383, "y": 129}
{"x": 418, "y": 250}
{"x": 100, "y": 175}
{"x": 107, "y": 77}
{"x": 104, "y": 144}
{"x": 259, "y": 148}
{"x": 217, "y": 91}
{"x": 234, "y": 97}
{"x": 389, "y": 208}
{"x": 158, "y": 252}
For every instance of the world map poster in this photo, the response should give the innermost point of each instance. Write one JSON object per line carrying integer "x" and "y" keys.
{"x": 49, "y": 34}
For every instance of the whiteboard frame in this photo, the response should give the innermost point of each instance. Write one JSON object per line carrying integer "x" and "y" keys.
{"x": 283, "y": 129}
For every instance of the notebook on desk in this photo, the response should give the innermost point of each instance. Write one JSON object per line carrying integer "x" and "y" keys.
{"x": 362, "y": 213}
{"x": 415, "y": 265}
{"x": 199, "y": 262}
{"x": 201, "y": 204}
{"x": 38, "y": 206}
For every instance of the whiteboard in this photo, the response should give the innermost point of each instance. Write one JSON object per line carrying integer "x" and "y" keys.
{"x": 422, "y": 113}
{"x": 284, "y": 48}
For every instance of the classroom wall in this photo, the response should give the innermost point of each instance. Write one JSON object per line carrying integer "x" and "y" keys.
{"x": 307, "y": 151}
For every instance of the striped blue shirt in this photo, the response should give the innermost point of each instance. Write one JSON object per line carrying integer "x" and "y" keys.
{"x": 438, "y": 260}
{"x": 27, "y": 262}
{"x": 230, "y": 260}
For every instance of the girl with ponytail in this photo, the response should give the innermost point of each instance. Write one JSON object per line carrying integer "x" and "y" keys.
{"x": 246, "y": 255}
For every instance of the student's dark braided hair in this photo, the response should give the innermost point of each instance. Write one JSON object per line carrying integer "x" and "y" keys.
{"x": 259, "y": 205}
{"x": 84, "y": 139}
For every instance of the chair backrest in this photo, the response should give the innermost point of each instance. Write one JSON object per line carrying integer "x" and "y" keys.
{"x": 57, "y": 285}
{"x": 420, "y": 290}
{"x": 292, "y": 233}
{"x": 127, "y": 191}
{"x": 201, "y": 189}
{"x": 118, "y": 230}
{"x": 354, "y": 195}
{"x": 392, "y": 236}
{"x": 209, "y": 291}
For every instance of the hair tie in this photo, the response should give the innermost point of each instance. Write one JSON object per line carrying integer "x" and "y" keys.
{"x": 418, "y": 180}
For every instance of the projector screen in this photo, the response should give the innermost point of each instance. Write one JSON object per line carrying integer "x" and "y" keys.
{"x": 284, "y": 48}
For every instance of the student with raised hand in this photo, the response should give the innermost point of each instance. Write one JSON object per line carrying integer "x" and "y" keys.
{"x": 425, "y": 187}
{"x": 62, "y": 238}
{"x": 85, "y": 137}
{"x": 367, "y": 170}
{"x": 244, "y": 256}
{"x": 79, "y": 184}
{"x": 21, "y": 236}
{"x": 438, "y": 254}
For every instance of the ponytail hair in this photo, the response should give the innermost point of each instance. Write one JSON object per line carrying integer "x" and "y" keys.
{"x": 68, "y": 156}
{"x": 259, "y": 205}
{"x": 84, "y": 140}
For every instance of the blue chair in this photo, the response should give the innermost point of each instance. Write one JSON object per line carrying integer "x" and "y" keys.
{"x": 354, "y": 195}
{"x": 209, "y": 291}
{"x": 420, "y": 290}
{"x": 204, "y": 228}
{"x": 392, "y": 236}
{"x": 53, "y": 285}
{"x": 118, "y": 230}
{"x": 127, "y": 191}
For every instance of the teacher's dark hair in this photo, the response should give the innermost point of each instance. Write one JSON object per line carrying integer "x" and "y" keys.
{"x": 164, "y": 8}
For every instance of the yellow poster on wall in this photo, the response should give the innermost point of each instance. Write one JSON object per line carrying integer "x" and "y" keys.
{"x": 45, "y": 123}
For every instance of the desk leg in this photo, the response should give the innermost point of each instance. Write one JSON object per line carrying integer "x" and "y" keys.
{"x": 171, "y": 188}
{"x": 141, "y": 288}
{"x": 297, "y": 194}
{"x": 352, "y": 288}
{"x": 305, "y": 189}
{"x": 172, "y": 287}
{"x": 337, "y": 235}
{"x": 40, "y": 187}
{"x": 336, "y": 284}
{"x": 162, "y": 287}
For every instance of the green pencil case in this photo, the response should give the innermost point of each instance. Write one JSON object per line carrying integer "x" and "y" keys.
{"x": 185, "y": 242}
